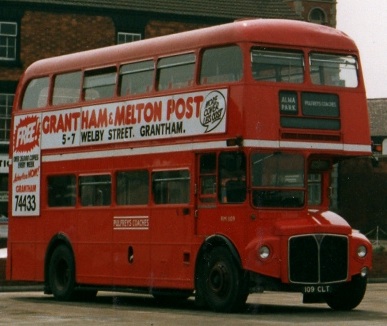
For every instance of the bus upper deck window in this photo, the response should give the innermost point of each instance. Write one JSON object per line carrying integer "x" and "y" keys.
{"x": 36, "y": 93}
{"x": 176, "y": 72}
{"x": 333, "y": 70}
{"x": 277, "y": 66}
{"x": 136, "y": 78}
{"x": 67, "y": 88}
{"x": 221, "y": 65}
{"x": 100, "y": 83}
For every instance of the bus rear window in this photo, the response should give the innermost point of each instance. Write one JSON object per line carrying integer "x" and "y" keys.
{"x": 67, "y": 88}
{"x": 333, "y": 70}
{"x": 136, "y": 78}
{"x": 36, "y": 93}
{"x": 277, "y": 66}
{"x": 221, "y": 65}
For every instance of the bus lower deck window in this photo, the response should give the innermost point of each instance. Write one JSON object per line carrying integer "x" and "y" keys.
{"x": 61, "y": 190}
{"x": 132, "y": 188}
{"x": 171, "y": 187}
{"x": 95, "y": 190}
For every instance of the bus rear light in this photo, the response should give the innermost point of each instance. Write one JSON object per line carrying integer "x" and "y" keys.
{"x": 264, "y": 252}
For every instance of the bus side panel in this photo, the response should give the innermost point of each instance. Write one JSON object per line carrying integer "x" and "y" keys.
{"x": 93, "y": 250}
{"x": 131, "y": 247}
{"x": 172, "y": 260}
{"x": 22, "y": 249}
{"x": 23, "y": 262}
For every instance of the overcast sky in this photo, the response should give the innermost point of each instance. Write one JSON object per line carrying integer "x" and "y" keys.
{"x": 365, "y": 21}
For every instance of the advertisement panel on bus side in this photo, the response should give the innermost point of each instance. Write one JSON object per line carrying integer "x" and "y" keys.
{"x": 162, "y": 117}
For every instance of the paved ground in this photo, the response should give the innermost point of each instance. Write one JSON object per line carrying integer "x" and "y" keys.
{"x": 34, "y": 308}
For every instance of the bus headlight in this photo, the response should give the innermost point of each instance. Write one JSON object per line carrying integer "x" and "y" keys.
{"x": 264, "y": 252}
{"x": 361, "y": 251}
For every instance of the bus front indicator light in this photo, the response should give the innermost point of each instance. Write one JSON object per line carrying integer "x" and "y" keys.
{"x": 264, "y": 252}
{"x": 361, "y": 251}
{"x": 364, "y": 272}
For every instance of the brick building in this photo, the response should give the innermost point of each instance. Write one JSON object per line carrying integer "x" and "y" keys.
{"x": 34, "y": 29}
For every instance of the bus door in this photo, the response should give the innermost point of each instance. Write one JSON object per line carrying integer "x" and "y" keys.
{"x": 221, "y": 186}
{"x": 171, "y": 223}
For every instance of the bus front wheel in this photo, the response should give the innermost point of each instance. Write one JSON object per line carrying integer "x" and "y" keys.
{"x": 62, "y": 273}
{"x": 223, "y": 283}
{"x": 349, "y": 295}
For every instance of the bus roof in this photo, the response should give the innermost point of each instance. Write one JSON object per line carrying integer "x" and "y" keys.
{"x": 274, "y": 32}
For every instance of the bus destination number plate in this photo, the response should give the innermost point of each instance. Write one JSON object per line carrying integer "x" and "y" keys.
{"x": 317, "y": 289}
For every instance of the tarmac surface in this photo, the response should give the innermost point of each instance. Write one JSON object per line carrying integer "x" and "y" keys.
{"x": 269, "y": 308}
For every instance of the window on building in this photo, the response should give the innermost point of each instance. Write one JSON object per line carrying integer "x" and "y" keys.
{"x": 8, "y": 41}
{"x": 317, "y": 16}
{"x": 123, "y": 37}
{"x": 3, "y": 194}
{"x": 6, "y": 101}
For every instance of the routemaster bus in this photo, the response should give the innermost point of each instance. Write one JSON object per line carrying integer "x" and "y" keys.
{"x": 195, "y": 164}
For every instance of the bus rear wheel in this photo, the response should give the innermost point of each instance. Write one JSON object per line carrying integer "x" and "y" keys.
{"x": 223, "y": 284}
{"x": 62, "y": 273}
{"x": 349, "y": 295}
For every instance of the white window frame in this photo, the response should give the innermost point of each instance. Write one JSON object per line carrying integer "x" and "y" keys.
{"x": 5, "y": 116}
{"x": 8, "y": 41}
{"x": 128, "y": 37}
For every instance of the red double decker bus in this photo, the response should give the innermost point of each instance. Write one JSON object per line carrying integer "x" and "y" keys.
{"x": 192, "y": 164}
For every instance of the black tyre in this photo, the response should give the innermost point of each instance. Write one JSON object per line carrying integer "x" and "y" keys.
{"x": 348, "y": 295}
{"x": 62, "y": 273}
{"x": 222, "y": 283}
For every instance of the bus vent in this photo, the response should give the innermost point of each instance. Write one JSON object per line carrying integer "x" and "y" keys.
{"x": 318, "y": 258}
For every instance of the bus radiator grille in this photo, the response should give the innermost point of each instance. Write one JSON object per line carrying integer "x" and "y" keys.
{"x": 318, "y": 258}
